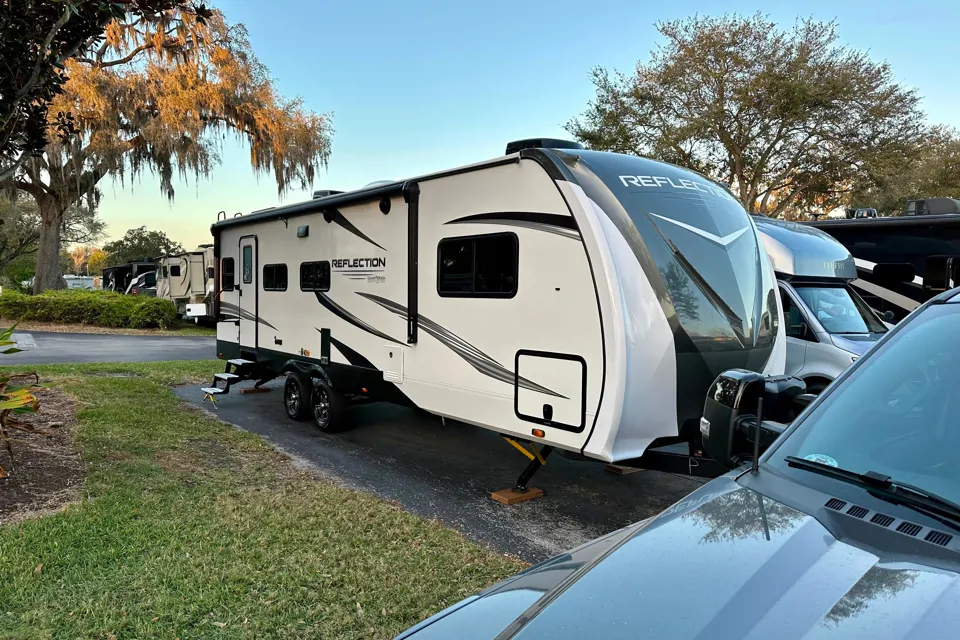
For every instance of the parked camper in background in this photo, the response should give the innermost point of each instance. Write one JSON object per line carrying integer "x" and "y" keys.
{"x": 119, "y": 277}
{"x": 186, "y": 279}
{"x": 577, "y": 299}
{"x": 144, "y": 284}
{"x": 828, "y": 325}
{"x": 903, "y": 261}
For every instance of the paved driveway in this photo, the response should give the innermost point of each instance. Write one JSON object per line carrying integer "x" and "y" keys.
{"x": 447, "y": 472}
{"x": 60, "y": 348}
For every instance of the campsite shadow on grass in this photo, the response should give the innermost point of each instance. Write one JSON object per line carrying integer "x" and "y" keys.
{"x": 447, "y": 473}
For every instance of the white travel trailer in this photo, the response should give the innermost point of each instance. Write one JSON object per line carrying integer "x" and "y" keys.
{"x": 577, "y": 299}
{"x": 828, "y": 325}
{"x": 187, "y": 280}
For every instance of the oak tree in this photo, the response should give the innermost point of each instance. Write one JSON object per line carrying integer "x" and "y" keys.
{"x": 36, "y": 39}
{"x": 140, "y": 244}
{"x": 20, "y": 230}
{"x": 931, "y": 170}
{"x": 789, "y": 118}
{"x": 96, "y": 262}
{"x": 158, "y": 95}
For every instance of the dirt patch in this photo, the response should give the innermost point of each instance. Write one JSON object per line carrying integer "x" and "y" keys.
{"x": 26, "y": 326}
{"x": 46, "y": 473}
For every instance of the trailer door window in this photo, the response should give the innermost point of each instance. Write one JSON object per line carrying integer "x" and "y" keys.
{"x": 227, "y": 274}
{"x": 315, "y": 276}
{"x": 174, "y": 271}
{"x": 478, "y": 266}
{"x": 247, "y": 264}
{"x": 274, "y": 277}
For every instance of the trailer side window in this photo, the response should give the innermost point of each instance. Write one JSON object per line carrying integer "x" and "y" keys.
{"x": 274, "y": 277}
{"x": 478, "y": 266}
{"x": 315, "y": 276}
{"x": 163, "y": 272}
{"x": 174, "y": 271}
{"x": 227, "y": 274}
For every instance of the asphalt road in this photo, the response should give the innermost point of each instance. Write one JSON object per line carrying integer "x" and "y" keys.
{"x": 447, "y": 472}
{"x": 61, "y": 348}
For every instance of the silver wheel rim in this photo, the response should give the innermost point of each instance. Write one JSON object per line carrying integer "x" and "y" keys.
{"x": 321, "y": 406}
{"x": 293, "y": 398}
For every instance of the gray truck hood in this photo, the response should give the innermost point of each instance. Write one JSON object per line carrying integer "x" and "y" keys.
{"x": 855, "y": 343}
{"x": 727, "y": 562}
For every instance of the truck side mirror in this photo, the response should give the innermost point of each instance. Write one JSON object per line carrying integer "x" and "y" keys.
{"x": 729, "y": 421}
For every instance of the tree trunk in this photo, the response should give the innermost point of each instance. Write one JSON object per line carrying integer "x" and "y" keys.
{"x": 49, "y": 274}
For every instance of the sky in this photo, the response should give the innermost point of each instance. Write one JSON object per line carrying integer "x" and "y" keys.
{"x": 424, "y": 85}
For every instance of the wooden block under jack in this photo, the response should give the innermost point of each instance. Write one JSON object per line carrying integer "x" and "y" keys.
{"x": 511, "y": 496}
{"x": 255, "y": 390}
{"x": 620, "y": 471}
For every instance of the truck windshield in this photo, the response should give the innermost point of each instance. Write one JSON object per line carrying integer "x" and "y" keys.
{"x": 896, "y": 413}
{"x": 839, "y": 310}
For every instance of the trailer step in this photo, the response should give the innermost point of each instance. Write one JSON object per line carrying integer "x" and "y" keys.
{"x": 226, "y": 376}
{"x": 212, "y": 391}
{"x": 240, "y": 362}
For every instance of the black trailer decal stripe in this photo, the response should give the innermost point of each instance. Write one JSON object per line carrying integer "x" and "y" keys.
{"x": 339, "y": 219}
{"x": 474, "y": 357}
{"x": 343, "y": 314}
{"x": 560, "y": 225}
{"x": 352, "y": 356}
{"x": 228, "y": 309}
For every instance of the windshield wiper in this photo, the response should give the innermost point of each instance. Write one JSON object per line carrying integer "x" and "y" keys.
{"x": 885, "y": 488}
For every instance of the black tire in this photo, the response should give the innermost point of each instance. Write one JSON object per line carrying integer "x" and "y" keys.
{"x": 327, "y": 407}
{"x": 296, "y": 397}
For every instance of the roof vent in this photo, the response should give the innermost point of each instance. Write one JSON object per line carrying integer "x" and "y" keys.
{"x": 541, "y": 143}
{"x": 377, "y": 183}
{"x": 323, "y": 193}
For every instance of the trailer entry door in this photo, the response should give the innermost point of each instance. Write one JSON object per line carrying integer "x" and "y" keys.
{"x": 248, "y": 292}
{"x": 558, "y": 397}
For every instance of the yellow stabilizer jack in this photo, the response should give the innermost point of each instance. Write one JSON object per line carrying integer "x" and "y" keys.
{"x": 535, "y": 455}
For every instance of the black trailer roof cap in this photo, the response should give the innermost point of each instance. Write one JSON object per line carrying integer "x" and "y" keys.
{"x": 541, "y": 143}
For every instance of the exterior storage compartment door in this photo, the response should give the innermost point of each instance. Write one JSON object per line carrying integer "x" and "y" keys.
{"x": 558, "y": 398}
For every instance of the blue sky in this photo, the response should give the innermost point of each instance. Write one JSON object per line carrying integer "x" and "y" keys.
{"x": 423, "y": 85}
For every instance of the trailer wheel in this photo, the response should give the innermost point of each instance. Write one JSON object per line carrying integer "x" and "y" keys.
{"x": 296, "y": 397}
{"x": 327, "y": 406}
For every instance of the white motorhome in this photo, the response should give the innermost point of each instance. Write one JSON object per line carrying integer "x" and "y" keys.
{"x": 577, "y": 299}
{"x": 186, "y": 279}
{"x": 828, "y": 325}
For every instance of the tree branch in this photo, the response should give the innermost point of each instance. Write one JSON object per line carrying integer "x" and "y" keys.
{"x": 9, "y": 171}
{"x": 35, "y": 76}
{"x": 127, "y": 58}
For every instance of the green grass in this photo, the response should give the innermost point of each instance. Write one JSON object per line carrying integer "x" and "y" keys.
{"x": 189, "y": 528}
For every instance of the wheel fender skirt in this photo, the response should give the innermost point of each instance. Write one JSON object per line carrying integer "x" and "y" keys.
{"x": 305, "y": 369}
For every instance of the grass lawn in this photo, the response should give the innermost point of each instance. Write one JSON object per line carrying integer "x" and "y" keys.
{"x": 182, "y": 328}
{"x": 189, "y": 528}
